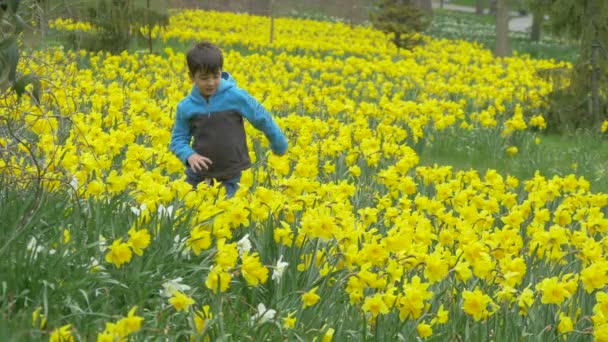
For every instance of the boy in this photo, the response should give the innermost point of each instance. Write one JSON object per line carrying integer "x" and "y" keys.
{"x": 213, "y": 115}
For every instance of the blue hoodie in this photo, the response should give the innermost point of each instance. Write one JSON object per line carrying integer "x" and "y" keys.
{"x": 218, "y": 130}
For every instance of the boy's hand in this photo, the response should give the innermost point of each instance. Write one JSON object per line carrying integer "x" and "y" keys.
{"x": 199, "y": 163}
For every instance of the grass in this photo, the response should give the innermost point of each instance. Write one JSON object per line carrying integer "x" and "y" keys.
{"x": 470, "y": 3}
{"x": 580, "y": 152}
{"x": 514, "y": 4}
{"x": 465, "y": 17}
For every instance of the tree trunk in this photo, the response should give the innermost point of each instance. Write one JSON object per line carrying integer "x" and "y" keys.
{"x": 502, "y": 29}
{"x": 149, "y": 26}
{"x": 592, "y": 33}
{"x": 271, "y": 13}
{"x": 493, "y": 4}
{"x": 425, "y": 5}
{"x": 66, "y": 6}
{"x": 537, "y": 19}
{"x": 595, "y": 82}
{"x": 42, "y": 14}
{"x": 479, "y": 7}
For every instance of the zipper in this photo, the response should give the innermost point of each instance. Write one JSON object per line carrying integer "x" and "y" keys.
{"x": 207, "y": 107}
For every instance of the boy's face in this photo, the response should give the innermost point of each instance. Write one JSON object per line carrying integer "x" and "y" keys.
{"x": 207, "y": 82}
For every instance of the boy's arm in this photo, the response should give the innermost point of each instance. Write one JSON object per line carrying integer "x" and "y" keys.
{"x": 180, "y": 138}
{"x": 259, "y": 117}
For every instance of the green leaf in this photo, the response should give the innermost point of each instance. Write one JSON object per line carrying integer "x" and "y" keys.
{"x": 13, "y": 5}
{"x": 12, "y": 54}
{"x": 20, "y": 84}
{"x": 20, "y": 24}
{"x": 7, "y": 42}
{"x": 9, "y": 57}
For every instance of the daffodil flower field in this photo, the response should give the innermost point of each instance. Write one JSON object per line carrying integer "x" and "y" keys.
{"x": 346, "y": 237}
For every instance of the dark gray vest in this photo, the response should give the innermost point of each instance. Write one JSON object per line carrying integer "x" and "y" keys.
{"x": 220, "y": 136}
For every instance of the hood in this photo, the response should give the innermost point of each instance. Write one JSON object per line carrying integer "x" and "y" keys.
{"x": 226, "y": 83}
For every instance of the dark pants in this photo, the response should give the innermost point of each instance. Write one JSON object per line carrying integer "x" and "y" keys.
{"x": 230, "y": 184}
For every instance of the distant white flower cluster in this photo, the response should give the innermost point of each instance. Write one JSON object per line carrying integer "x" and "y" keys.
{"x": 459, "y": 28}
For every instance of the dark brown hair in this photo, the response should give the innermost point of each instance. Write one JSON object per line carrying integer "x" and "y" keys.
{"x": 205, "y": 57}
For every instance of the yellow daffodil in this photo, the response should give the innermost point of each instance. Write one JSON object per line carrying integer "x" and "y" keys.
{"x": 201, "y": 317}
{"x": 565, "y": 323}
{"x": 310, "y": 298}
{"x": 329, "y": 335}
{"x": 424, "y": 330}
{"x": 130, "y": 324}
{"x": 476, "y": 304}
{"x": 138, "y": 240}
{"x": 253, "y": 270}
{"x": 62, "y": 334}
{"x": 375, "y": 305}
{"x": 180, "y": 301}
{"x": 553, "y": 291}
{"x": 512, "y": 150}
{"x": 119, "y": 253}
{"x": 289, "y": 322}
{"x": 218, "y": 280}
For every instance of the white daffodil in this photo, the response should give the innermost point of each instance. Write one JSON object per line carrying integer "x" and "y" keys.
{"x": 74, "y": 182}
{"x": 263, "y": 315}
{"x": 137, "y": 211}
{"x": 34, "y": 247}
{"x": 244, "y": 245}
{"x": 171, "y": 286}
{"x": 103, "y": 243}
{"x": 279, "y": 269}
{"x": 165, "y": 211}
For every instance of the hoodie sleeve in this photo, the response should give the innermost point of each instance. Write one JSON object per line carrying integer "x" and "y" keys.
{"x": 180, "y": 137}
{"x": 259, "y": 117}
